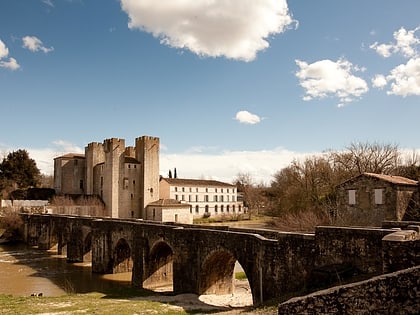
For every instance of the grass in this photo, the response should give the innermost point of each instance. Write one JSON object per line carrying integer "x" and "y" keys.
{"x": 91, "y": 303}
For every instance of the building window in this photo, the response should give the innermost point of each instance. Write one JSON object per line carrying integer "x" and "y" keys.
{"x": 215, "y": 208}
{"x": 352, "y": 197}
{"x": 134, "y": 183}
{"x": 206, "y": 209}
{"x": 227, "y": 198}
{"x": 207, "y": 190}
{"x": 154, "y": 214}
{"x": 196, "y": 198}
{"x": 215, "y": 190}
{"x": 206, "y": 198}
{"x": 132, "y": 196}
{"x": 183, "y": 189}
{"x": 125, "y": 184}
{"x": 239, "y": 208}
{"x": 215, "y": 198}
{"x": 222, "y": 190}
{"x": 81, "y": 184}
{"x": 227, "y": 208}
{"x": 221, "y": 198}
{"x": 135, "y": 166}
{"x": 189, "y": 198}
{"x": 197, "y": 209}
{"x": 129, "y": 165}
{"x": 221, "y": 208}
{"x": 379, "y": 200}
{"x": 176, "y": 188}
{"x": 190, "y": 189}
{"x": 176, "y": 218}
{"x": 183, "y": 197}
{"x": 233, "y": 208}
{"x": 196, "y": 190}
{"x": 176, "y": 197}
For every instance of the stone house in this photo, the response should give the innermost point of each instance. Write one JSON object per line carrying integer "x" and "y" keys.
{"x": 206, "y": 197}
{"x": 169, "y": 210}
{"x": 369, "y": 199}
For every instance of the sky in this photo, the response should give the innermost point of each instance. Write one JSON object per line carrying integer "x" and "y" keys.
{"x": 229, "y": 87}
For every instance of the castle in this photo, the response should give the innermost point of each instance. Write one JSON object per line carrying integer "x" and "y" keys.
{"x": 127, "y": 181}
{"x": 126, "y": 178}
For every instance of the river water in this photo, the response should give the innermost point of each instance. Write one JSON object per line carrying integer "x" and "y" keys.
{"x": 25, "y": 270}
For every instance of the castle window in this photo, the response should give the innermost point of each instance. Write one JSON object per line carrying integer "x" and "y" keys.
{"x": 215, "y": 208}
{"x": 183, "y": 189}
{"x": 176, "y": 188}
{"x": 125, "y": 184}
{"x": 81, "y": 184}
{"x": 206, "y": 198}
{"x": 215, "y": 198}
{"x": 227, "y": 208}
{"x": 221, "y": 208}
{"x": 207, "y": 190}
{"x": 189, "y": 198}
{"x": 176, "y": 197}
{"x": 196, "y": 198}
{"x": 352, "y": 196}
{"x": 197, "y": 210}
{"x": 207, "y": 209}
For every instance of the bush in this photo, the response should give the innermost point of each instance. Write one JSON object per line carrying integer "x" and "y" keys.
{"x": 304, "y": 221}
{"x": 12, "y": 223}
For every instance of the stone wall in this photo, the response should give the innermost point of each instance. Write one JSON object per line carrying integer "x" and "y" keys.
{"x": 395, "y": 293}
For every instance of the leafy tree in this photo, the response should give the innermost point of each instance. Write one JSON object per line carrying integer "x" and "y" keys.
{"x": 19, "y": 169}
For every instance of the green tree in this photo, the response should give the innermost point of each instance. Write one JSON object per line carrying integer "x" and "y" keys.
{"x": 18, "y": 169}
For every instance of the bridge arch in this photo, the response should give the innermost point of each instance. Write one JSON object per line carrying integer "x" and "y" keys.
{"x": 122, "y": 257}
{"x": 159, "y": 268}
{"x": 217, "y": 273}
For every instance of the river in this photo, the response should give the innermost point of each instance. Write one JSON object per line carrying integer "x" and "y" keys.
{"x": 25, "y": 270}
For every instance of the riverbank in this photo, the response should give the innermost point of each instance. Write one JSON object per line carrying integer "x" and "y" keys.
{"x": 122, "y": 301}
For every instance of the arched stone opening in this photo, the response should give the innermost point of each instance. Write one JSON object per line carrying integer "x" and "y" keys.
{"x": 87, "y": 247}
{"x": 122, "y": 260}
{"x": 222, "y": 274}
{"x": 159, "y": 274}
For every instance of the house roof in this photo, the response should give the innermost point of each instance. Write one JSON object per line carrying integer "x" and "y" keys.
{"x": 399, "y": 180}
{"x": 396, "y": 180}
{"x": 168, "y": 203}
{"x": 71, "y": 156}
{"x": 195, "y": 182}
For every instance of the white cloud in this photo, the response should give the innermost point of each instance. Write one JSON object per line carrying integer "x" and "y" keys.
{"x": 4, "y": 51}
{"x": 225, "y": 166}
{"x": 34, "y": 44}
{"x": 236, "y": 29}
{"x": 48, "y": 3}
{"x": 246, "y": 117}
{"x": 326, "y": 78}
{"x": 11, "y": 64}
{"x": 379, "y": 81}
{"x": 405, "y": 78}
{"x": 405, "y": 43}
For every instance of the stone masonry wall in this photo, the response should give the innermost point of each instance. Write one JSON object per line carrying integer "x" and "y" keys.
{"x": 395, "y": 293}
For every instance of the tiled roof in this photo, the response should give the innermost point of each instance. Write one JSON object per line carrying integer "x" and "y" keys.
{"x": 168, "y": 202}
{"x": 195, "y": 182}
{"x": 71, "y": 156}
{"x": 399, "y": 180}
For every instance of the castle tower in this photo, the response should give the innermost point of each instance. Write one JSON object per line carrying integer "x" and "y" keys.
{"x": 112, "y": 176}
{"x": 147, "y": 153}
{"x": 94, "y": 154}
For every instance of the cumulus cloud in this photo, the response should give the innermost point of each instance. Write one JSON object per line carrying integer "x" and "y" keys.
{"x": 11, "y": 64}
{"x": 34, "y": 44}
{"x": 404, "y": 79}
{"x": 405, "y": 43}
{"x": 379, "y": 81}
{"x": 246, "y": 117}
{"x": 233, "y": 29}
{"x": 326, "y": 78}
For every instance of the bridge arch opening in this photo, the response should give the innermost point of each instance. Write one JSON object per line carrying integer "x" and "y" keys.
{"x": 87, "y": 247}
{"x": 159, "y": 275}
{"x": 222, "y": 274}
{"x": 122, "y": 260}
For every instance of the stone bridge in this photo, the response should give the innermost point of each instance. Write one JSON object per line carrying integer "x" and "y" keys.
{"x": 201, "y": 259}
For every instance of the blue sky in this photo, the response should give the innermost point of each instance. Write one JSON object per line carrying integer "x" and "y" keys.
{"x": 227, "y": 86}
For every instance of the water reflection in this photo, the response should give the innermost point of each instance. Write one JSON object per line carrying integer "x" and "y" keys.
{"x": 25, "y": 270}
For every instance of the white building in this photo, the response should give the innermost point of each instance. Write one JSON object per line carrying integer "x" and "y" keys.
{"x": 206, "y": 197}
{"x": 169, "y": 210}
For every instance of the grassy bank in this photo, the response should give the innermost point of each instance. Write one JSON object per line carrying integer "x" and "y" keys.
{"x": 121, "y": 301}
